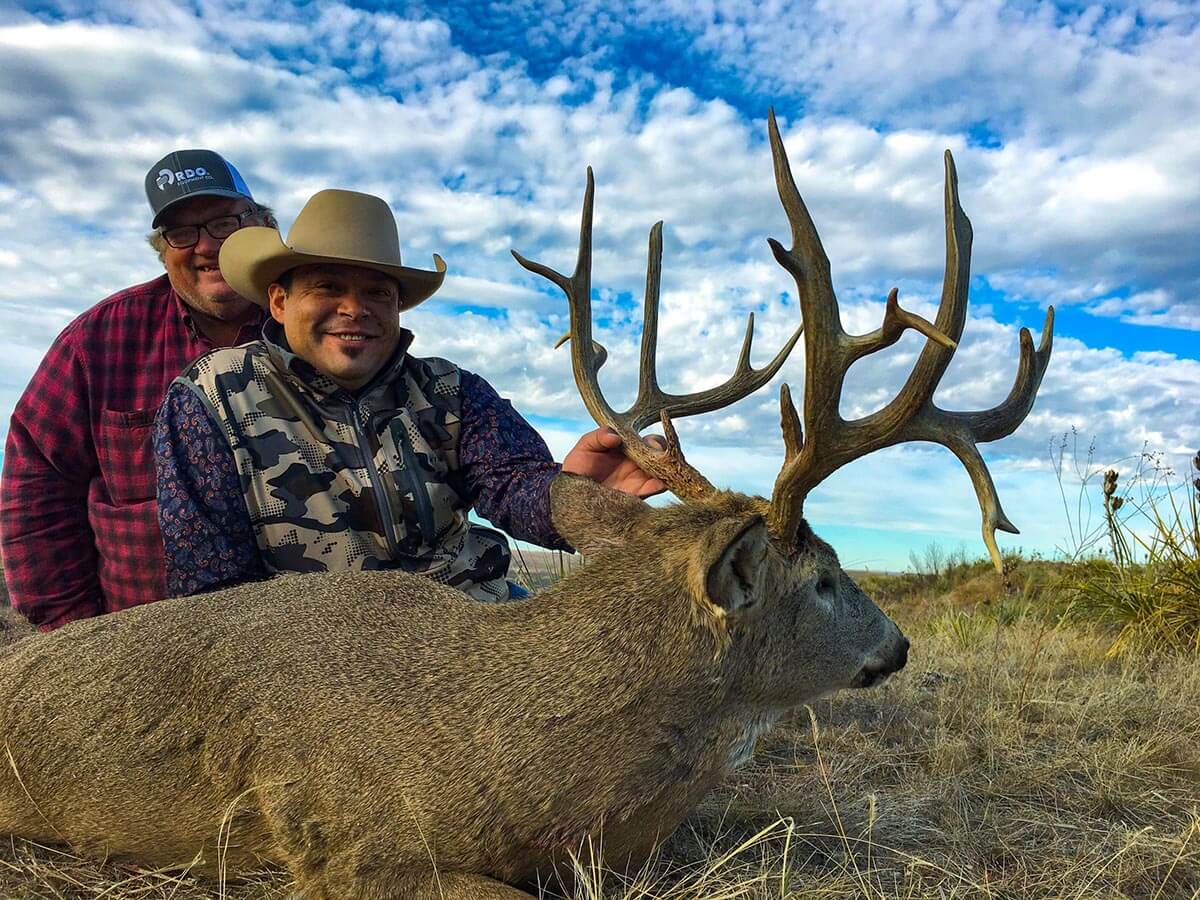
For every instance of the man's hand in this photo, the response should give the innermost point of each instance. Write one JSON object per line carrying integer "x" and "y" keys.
{"x": 599, "y": 456}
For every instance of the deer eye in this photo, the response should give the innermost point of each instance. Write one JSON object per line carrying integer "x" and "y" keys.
{"x": 825, "y": 584}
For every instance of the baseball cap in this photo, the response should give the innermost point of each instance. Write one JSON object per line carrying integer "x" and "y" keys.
{"x": 191, "y": 173}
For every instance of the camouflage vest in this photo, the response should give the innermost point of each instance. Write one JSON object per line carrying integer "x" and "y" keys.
{"x": 336, "y": 481}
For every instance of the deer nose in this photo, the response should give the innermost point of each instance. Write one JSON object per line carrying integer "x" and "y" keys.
{"x": 897, "y": 659}
{"x": 882, "y": 663}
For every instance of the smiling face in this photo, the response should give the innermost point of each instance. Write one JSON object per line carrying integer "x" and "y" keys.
{"x": 193, "y": 271}
{"x": 344, "y": 320}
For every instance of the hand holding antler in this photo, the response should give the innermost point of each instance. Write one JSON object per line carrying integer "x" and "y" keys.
{"x": 600, "y": 456}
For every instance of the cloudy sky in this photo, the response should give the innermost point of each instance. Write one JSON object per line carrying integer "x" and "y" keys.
{"x": 1076, "y": 131}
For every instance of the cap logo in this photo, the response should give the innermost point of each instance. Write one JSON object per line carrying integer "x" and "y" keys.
{"x": 166, "y": 176}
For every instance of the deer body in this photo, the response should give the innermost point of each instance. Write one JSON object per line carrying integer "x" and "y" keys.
{"x": 360, "y": 728}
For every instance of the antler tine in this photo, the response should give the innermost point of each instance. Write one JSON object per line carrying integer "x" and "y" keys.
{"x": 895, "y": 320}
{"x": 744, "y": 381}
{"x": 744, "y": 356}
{"x": 1002, "y": 420}
{"x": 952, "y": 310}
{"x": 652, "y": 400}
{"x": 961, "y": 431}
{"x": 597, "y": 348}
{"x": 586, "y": 355}
{"x": 789, "y": 423}
{"x": 582, "y": 276}
{"x": 809, "y": 266}
{"x": 994, "y": 518}
{"x": 648, "y": 366}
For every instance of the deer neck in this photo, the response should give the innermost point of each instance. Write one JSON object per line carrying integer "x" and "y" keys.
{"x": 649, "y": 650}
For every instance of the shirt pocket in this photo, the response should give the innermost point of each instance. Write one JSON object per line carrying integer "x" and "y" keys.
{"x": 125, "y": 455}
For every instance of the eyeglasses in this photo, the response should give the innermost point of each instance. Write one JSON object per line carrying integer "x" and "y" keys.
{"x": 219, "y": 228}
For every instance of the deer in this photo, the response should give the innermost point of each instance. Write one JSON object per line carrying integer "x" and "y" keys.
{"x": 383, "y": 736}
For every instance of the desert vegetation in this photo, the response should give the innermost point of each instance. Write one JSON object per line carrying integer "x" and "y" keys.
{"x": 1041, "y": 743}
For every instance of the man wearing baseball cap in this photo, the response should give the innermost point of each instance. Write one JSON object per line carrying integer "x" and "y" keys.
{"x": 78, "y": 528}
{"x": 327, "y": 446}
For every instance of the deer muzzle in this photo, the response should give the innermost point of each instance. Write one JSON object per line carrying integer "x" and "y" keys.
{"x": 890, "y": 657}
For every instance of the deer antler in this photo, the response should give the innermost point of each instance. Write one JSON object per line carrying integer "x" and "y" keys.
{"x": 652, "y": 402}
{"x": 912, "y": 416}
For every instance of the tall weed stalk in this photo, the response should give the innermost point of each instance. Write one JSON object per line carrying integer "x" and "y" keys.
{"x": 1150, "y": 588}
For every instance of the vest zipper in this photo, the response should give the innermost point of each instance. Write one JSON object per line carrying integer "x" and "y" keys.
{"x": 419, "y": 491}
{"x": 381, "y": 498}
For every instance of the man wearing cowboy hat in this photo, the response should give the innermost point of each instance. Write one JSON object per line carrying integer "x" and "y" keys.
{"x": 326, "y": 446}
{"x": 77, "y": 511}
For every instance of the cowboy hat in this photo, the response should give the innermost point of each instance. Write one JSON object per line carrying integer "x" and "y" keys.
{"x": 342, "y": 227}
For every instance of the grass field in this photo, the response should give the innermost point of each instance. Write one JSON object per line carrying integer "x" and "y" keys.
{"x": 1016, "y": 756}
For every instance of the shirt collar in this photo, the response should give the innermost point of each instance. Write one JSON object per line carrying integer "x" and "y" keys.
{"x": 250, "y": 330}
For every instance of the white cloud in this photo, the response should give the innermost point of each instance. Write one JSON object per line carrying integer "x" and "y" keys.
{"x": 482, "y": 292}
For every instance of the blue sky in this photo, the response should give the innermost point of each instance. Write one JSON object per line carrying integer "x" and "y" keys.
{"x": 1076, "y": 131}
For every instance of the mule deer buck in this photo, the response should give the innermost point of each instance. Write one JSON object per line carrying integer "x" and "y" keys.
{"x": 382, "y": 736}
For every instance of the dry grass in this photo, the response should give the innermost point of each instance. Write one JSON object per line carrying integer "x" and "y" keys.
{"x": 29, "y": 871}
{"x": 1013, "y": 758}
{"x": 536, "y": 569}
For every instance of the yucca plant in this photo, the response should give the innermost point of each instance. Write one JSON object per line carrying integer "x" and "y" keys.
{"x": 1150, "y": 589}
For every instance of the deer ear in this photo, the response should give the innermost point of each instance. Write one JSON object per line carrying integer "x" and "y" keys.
{"x": 591, "y": 516}
{"x": 734, "y": 575}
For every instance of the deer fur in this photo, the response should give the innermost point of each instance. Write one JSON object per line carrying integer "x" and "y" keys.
{"x": 383, "y": 736}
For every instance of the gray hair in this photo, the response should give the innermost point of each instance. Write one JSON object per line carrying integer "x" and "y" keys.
{"x": 156, "y": 240}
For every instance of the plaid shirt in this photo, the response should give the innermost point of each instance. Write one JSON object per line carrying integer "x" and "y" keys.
{"x": 78, "y": 525}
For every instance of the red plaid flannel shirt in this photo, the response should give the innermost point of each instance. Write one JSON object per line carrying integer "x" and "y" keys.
{"x": 78, "y": 524}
